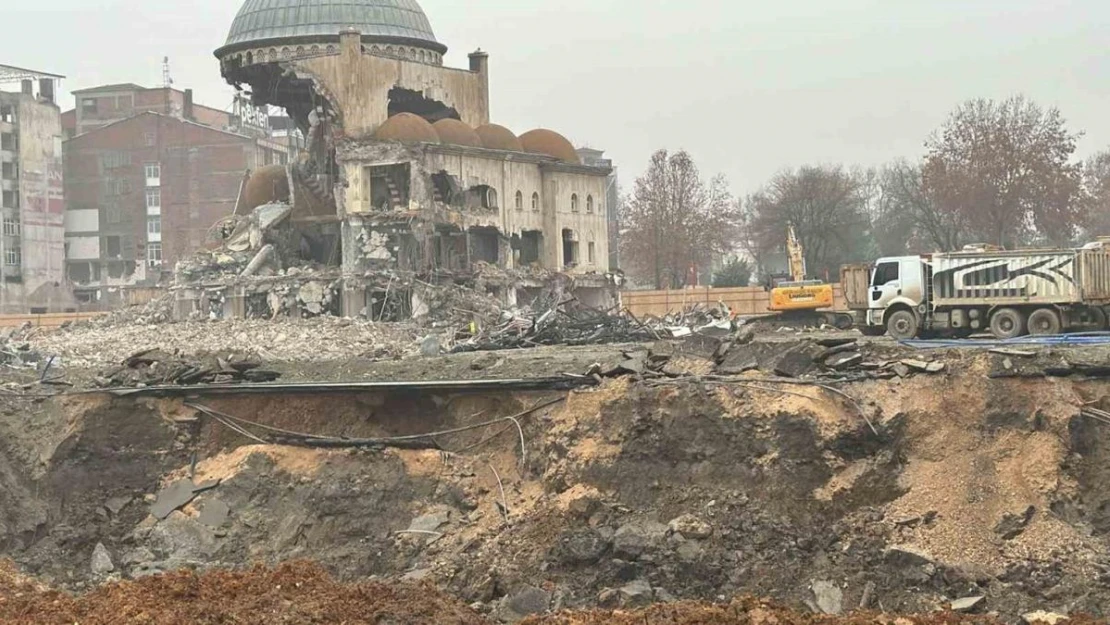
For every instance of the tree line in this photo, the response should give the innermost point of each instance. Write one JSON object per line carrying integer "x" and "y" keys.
{"x": 996, "y": 172}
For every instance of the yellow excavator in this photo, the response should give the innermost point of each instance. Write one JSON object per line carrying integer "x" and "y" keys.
{"x": 803, "y": 302}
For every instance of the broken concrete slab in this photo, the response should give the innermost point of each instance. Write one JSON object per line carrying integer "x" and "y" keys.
{"x": 214, "y": 513}
{"x": 842, "y": 362}
{"x": 833, "y": 342}
{"x": 430, "y": 522}
{"x": 968, "y": 604}
{"x": 798, "y": 361}
{"x": 701, "y": 345}
{"x": 173, "y": 497}
{"x": 838, "y": 349}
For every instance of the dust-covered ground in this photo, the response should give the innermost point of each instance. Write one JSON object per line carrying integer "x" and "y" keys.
{"x": 885, "y": 487}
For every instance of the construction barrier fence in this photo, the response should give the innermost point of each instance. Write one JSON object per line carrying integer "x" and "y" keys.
{"x": 743, "y": 301}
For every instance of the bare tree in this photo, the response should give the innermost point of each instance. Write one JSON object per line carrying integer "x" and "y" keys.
{"x": 905, "y": 219}
{"x": 1004, "y": 171}
{"x": 1096, "y": 176}
{"x": 827, "y": 207}
{"x": 674, "y": 221}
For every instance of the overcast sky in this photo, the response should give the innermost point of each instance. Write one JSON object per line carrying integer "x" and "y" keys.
{"x": 748, "y": 87}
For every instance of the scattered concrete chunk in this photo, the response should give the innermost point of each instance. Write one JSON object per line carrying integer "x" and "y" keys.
{"x": 1013, "y": 525}
{"x": 637, "y": 594}
{"x": 798, "y": 361}
{"x": 690, "y": 526}
{"x": 967, "y": 604}
{"x": 429, "y": 522}
{"x": 635, "y": 539}
{"x": 828, "y": 597}
{"x": 1041, "y": 617}
{"x": 115, "y": 505}
{"x": 102, "y": 561}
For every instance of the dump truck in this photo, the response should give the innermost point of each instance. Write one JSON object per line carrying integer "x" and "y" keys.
{"x": 1008, "y": 293}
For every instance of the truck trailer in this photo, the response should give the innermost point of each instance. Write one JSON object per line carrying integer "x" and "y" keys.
{"x": 1009, "y": 293}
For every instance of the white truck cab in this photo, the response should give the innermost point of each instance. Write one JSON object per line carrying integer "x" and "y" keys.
{"x": 897, "y": 283}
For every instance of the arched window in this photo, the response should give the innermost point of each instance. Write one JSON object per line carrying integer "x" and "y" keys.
{"x": 519, "y": 201}
{"x": 536, "y": 201}
{"x": 422, "y": 56}
{"x": 589, "y": 203}
{"x": 574, "y": 203}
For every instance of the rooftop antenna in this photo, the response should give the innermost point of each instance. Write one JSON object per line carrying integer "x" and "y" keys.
{"x": 167, "y": 82}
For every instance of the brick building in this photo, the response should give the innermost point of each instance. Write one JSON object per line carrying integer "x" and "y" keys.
{"x": 143, "y": 191}
{"x": 101, "y": 106}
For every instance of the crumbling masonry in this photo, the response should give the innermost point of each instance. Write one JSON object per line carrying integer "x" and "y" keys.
{"x": 405, "y": 186}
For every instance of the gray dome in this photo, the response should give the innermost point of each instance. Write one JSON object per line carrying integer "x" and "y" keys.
{"x": 399, "y": 21}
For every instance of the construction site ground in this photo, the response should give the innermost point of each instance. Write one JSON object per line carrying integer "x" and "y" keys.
{"x": 786, "y": 477}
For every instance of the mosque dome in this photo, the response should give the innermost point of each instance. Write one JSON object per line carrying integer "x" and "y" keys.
{"x": 293, "y": 22}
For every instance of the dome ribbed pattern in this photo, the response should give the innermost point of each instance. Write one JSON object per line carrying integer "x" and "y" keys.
{"x": 265, "y": 20}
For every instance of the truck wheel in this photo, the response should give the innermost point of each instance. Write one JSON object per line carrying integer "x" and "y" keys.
{"x": 902, "y": 325}
{"x": 1007, "y": 323}
{"x": 1099, "y": 316}
{"x": 1044, "y": 322}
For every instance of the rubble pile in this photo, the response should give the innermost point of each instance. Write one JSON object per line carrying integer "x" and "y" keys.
{"x": 319, "y": 340}
{"x": 157, "y": 367}
{"x": 560, "y": 325}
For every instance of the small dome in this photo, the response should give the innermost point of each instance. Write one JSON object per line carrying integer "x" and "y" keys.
{"x": 542, "y": 141}
{"x": 454, "y": 132}
{"x": 265, "y": 186}
{"x": 407, "y": 128}
{"x": 497, "y": 137}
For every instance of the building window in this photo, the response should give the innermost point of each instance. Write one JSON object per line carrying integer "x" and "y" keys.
{"x": 589, "y": 204}
{"x": 8, "y": 171}
{"x": 8, "y": 142}
{"x": 12, "y": 227}
{"x": 574, "y": 203}
{"x": 13, "y": 256}
{"x": 153, "y": 254}
{"x": 519, "y": 201}
{"x": 88, "y": 105}
{"x": 535, "y": 201}
{"x": 153, "y": 175}
{"x": 590, "y": 250}
{"x": 7, "y": 114}
{"x": 154, "y": 198}
{"x": 149, "y": 138}
{"x": 154, "y": 225}
{"x": 11, "y": 199}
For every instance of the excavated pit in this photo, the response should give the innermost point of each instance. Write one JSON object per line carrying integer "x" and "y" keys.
{"x": 623, "y": 495}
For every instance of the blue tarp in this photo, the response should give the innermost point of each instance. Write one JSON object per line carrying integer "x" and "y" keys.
{"x": 1078, "y": 339}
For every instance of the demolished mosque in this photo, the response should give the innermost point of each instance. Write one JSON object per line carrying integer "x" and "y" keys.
{"x": 405, "y": 181}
